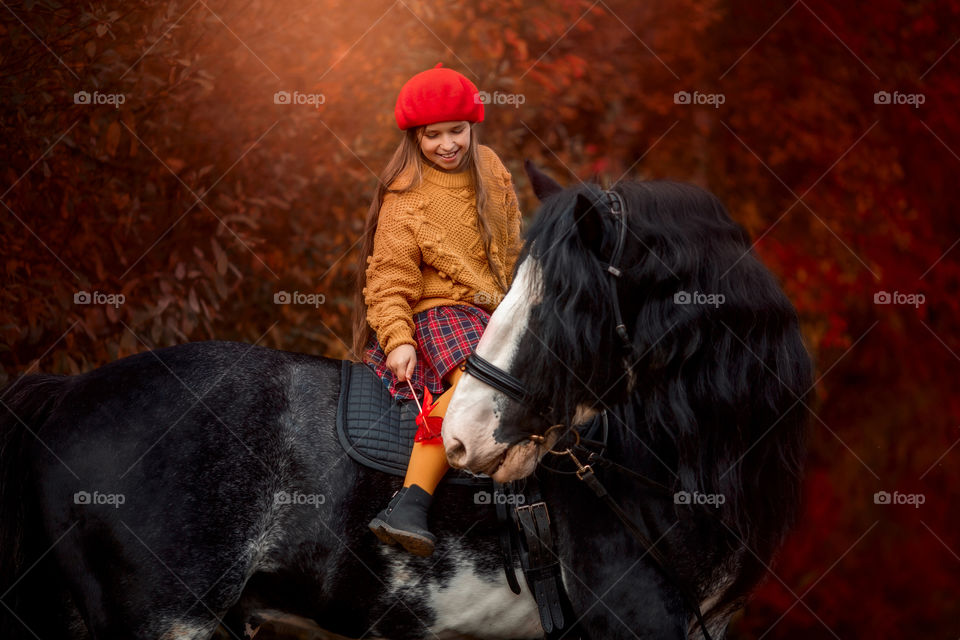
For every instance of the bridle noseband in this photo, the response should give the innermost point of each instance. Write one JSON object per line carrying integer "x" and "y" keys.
{"x": 493, "y": 376}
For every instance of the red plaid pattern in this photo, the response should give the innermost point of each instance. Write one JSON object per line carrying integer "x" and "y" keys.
{"x": 445, "y": 336}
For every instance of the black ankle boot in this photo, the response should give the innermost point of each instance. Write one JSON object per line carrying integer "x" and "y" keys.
{"x": 404, "y": 521}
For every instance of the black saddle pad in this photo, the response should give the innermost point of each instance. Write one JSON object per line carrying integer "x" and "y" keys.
{"x": 376, "y": 430}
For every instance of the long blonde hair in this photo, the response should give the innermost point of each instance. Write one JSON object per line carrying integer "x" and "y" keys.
{"x": 406, "y": 158}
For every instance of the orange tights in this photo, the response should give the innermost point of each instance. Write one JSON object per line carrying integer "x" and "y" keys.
{"x": 428, "y": 460}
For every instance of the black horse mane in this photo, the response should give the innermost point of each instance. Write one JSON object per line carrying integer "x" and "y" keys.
{"x": 722, "y": 389}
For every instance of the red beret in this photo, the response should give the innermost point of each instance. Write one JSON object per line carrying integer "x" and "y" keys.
{"x": 437, "y": 95}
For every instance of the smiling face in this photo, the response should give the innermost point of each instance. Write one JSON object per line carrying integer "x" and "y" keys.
{"x": 445, "y": 144}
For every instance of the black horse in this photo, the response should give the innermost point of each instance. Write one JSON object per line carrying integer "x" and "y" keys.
{"x": 647, "y": 297}
{"x": 140, "y": 500}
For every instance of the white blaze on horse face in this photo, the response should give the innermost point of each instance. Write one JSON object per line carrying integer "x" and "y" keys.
{"x": 474, "y": 412}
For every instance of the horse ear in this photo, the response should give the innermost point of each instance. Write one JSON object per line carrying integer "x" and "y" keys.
{"x": 543, "y": 185}
{"x": 587, "y": 218}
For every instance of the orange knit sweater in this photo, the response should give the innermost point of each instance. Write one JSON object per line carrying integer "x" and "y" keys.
{"x": 427, "y": 250}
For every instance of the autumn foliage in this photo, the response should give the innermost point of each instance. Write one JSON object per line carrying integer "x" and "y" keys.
{"x": 200, "y": 197}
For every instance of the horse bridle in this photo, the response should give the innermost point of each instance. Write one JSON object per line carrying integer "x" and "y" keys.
{"x": 507, "y": 384}
{"x": 510, "y": 386}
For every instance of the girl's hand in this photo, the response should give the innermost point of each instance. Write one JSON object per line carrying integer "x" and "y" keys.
{"x": 401, "y": 361}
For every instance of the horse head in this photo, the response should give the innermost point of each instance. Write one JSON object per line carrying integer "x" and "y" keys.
{"x": 710, "y": 350}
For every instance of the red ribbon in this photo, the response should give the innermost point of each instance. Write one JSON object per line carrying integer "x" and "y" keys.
{"x": 429, "y": 426}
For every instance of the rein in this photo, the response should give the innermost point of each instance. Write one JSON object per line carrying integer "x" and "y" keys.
{"x": 504, "y": 382}
{"x": 586, "y": 474}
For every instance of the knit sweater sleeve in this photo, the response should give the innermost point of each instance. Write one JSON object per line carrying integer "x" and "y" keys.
{"x": 394, "y": 278}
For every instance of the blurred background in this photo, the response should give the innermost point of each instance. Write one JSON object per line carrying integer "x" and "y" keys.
{"x": 169, "y": 169}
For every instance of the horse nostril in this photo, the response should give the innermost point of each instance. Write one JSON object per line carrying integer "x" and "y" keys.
{"x": 456, "y": 452}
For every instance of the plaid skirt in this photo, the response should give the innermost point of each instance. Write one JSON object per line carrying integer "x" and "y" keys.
{"x": 445, "y": 336}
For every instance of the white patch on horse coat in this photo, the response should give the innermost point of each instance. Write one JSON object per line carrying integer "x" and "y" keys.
{"x": 468, "y": 603}
{"x": 482, "y": 606}
{"x": 475, "y": 606}
{"x": 180, "y": 630}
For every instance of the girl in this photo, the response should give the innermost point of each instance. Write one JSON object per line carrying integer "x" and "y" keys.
{"x": 441, "y": 239}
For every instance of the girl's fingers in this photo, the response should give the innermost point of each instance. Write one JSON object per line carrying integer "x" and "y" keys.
{"x": 403, "y": 368}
